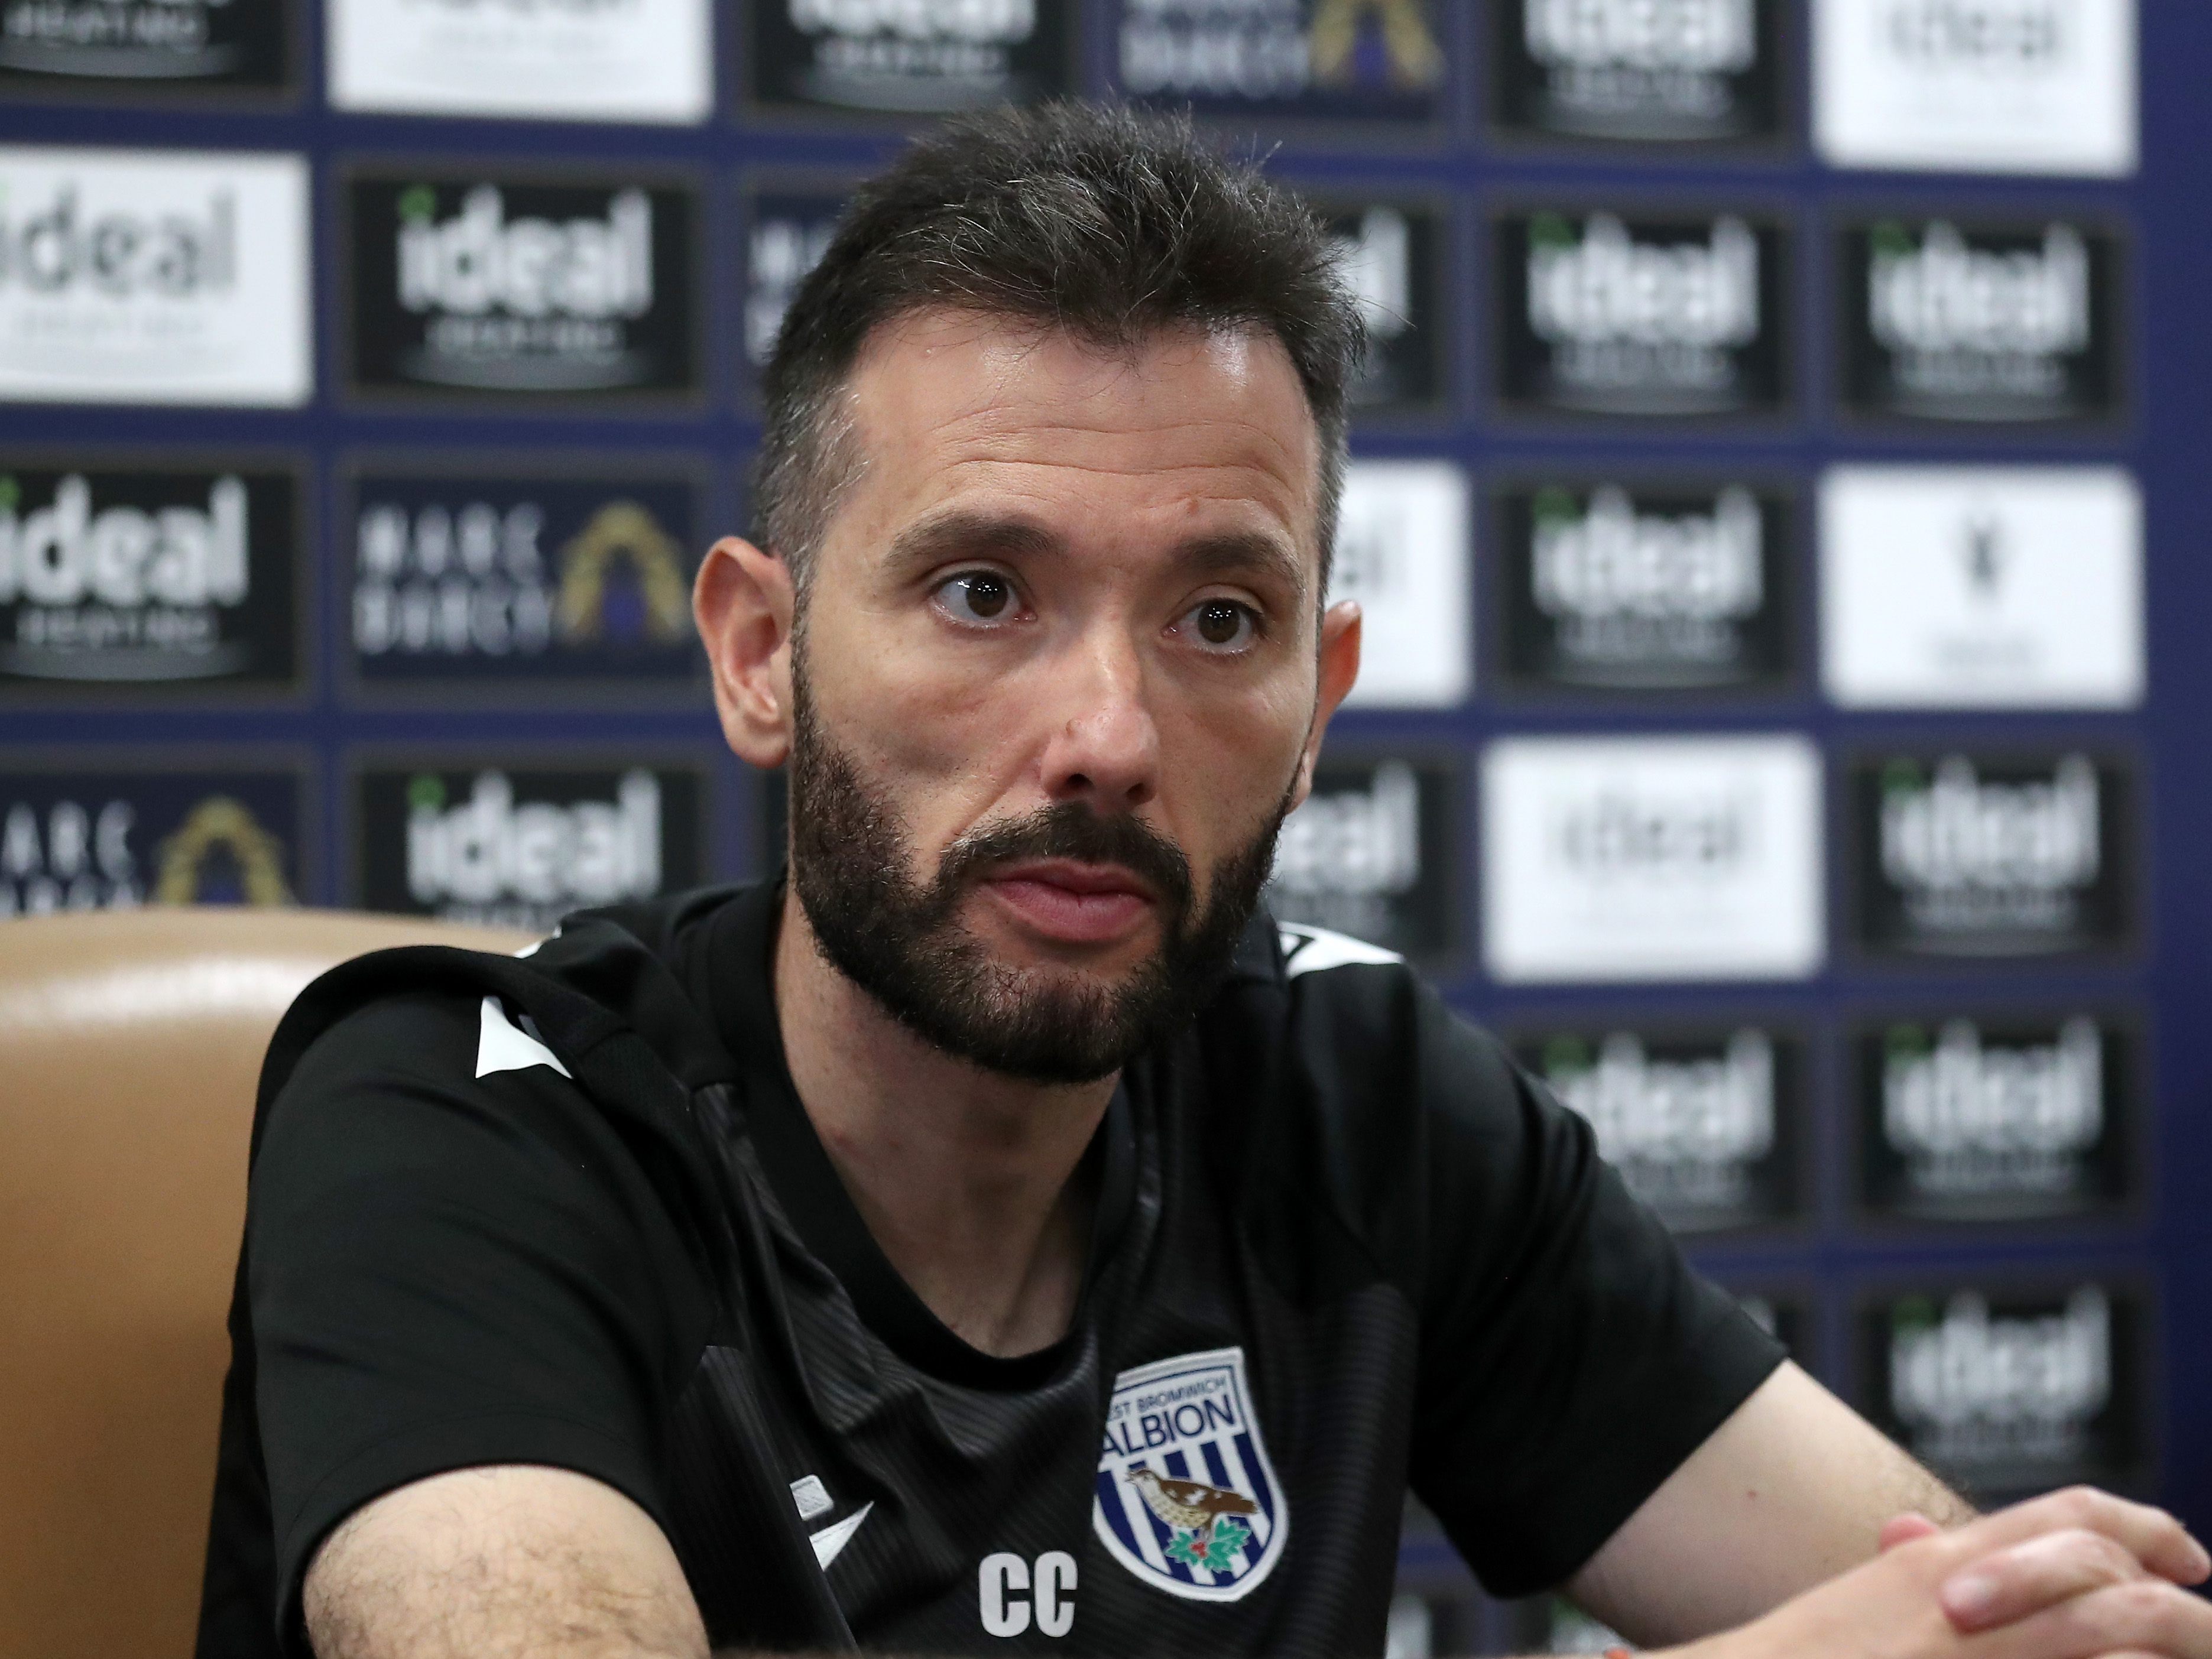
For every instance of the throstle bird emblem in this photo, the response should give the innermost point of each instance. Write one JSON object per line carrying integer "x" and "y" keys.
{"x": 1207, "y": 1533}
{"x": 1216, "y": 1537}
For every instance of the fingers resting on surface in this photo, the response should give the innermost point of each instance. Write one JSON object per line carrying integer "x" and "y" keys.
{"x": 2155, "y": 1538}
{"x": 2020, "y": 1579}
{"x": 2145, "y": 1615}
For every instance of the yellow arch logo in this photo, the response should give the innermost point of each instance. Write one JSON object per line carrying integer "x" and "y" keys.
{"x": 1415, "y": 58}
{"x": 221, "y": 821}
{"x": 623, "y": 529}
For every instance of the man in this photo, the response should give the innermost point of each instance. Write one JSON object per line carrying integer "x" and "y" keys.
{"x": 996, "y": 1235}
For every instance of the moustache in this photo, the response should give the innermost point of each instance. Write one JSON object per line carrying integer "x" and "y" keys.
{"x": 1071, "y": 830}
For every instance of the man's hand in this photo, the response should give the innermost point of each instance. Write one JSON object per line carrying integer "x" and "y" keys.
{"x": 2076, "y": 1575}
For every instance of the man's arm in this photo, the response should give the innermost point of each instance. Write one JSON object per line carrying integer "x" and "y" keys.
{"x": 1798, "y": 1531}
{"x": 1791, "y": 1490}
{"x": 513, "y": 1562}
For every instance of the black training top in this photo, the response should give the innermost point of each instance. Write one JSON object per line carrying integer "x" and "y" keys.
{"x": 568, "y": 1211}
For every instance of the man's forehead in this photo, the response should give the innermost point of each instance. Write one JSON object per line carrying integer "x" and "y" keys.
{"x": 939, "y": 398}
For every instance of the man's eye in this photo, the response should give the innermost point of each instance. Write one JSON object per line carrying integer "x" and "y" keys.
{"x": 976, "y": 596}
{"x": 1220, "y": 625}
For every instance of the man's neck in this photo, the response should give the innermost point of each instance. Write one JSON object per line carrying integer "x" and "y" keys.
{"x": 963, "y": 1176}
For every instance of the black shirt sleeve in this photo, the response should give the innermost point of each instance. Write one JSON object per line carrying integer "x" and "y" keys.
{"x": 1570, "y": 1358}
{"x": 447, "y": 1271}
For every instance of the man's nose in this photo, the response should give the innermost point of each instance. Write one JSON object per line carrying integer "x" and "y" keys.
{"x": 1102, "y": 746}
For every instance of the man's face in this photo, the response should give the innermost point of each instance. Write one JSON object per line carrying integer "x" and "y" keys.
{"x": 1055, "y": 682}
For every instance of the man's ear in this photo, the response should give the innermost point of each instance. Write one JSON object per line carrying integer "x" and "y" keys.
{"x": 743, "y": 602}
{"x": 1339, "y": 667}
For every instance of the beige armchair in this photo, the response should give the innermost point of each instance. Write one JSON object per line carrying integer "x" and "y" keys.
{"x": 129, "y": 1044}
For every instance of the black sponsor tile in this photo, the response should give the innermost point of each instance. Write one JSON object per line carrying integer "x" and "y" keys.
{"x": 1972, "y": 321}
{"x": 1637, "y": 73}
{"x": 518, "y": 840}
{"x": 1642, "y": 315}
{"x": 1393, "y": 256}
{"x": 2005, "y": 1388}
{"x": 1967, "y": 856}
{"x": 153, "y": 576}
{"x": 2009, "y": 1117}
{"x": 517, "y": 284}
{"x": 1630, "y": 584}
{"x": 95, "y": 833}
{"x": 1707, "y": 1124}
{"x": 1335, "y": 61}
{"x": 1375, "y": 851}
{"x": 787, "y": 230}
{"x": 917, "y": 57}
{"x": 507, "y": 577}
{"x": 200, "y": 49}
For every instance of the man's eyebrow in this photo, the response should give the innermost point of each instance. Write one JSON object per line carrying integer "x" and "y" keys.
{"x": 1242, "y": 552}
{"x": 920, "y": 547}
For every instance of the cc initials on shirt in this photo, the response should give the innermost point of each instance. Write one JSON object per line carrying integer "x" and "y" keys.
{"x": 1052, "y": 1585}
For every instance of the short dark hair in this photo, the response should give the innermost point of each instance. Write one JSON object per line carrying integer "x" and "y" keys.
{"x": 1094, "y": 219}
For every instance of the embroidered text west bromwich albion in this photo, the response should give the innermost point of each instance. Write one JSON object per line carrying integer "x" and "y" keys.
{"x": 568, "y": 1211}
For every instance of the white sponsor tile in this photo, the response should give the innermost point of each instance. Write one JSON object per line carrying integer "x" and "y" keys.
{"x": 638, "y": 60}
{"x": 1981, "y": 588}
{"x": 157, "y": 276}
{"x": 1638, "y": 859}
{"x": 1976, "y": 86}
{"x": 1403, "y": 545}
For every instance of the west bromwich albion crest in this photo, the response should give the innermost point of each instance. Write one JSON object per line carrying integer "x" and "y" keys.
{"x": 1186, "y": 1497}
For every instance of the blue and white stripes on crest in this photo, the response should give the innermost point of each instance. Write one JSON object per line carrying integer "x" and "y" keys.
{"x": 1185, "y": 1496}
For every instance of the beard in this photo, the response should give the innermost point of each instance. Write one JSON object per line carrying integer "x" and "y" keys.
{"x": 904, "y": 944}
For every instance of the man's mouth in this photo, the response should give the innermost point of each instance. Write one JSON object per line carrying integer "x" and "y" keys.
{"x": 1072, "y": 902}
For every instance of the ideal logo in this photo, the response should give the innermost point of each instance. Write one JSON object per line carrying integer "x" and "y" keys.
{"x": 1991, "y": 859}
{"x": 497, "y": 580}
{"x": 1186, "y": 1497}
{"x": 1620, "y": 833}
{"x": 1609, "y": 588}
{"x": 917, "y": 55}
{"x": 1975, "y": 324}
{"x": 1389, "y": 257}
{"x": 164, "y": 277}
{"x": 235, "y": 43}
{"x": 1376, "y": 59}
{"x": 1693, "y": 1124}
{"x": 1985, "y": 1122}
{"x": 523, "y": 287}
{"x": 2010, "y": 35}
{"x": 1659, "y": 858}
{"x": 1403, "y": 549}
{"x": 2004, "y": 1393}
{"x": 479, "y": 261}
{"x": 789, "y": 235}
{"x": 84, "y": 841}
{"x": 1666, "y": 70}
{"x": 124, "y": 576}
{"x": 1647, "y": 318}
{"x": 518, "y": 847}
{"x": 61, "y": 245}
{"x": 1367, "y": 854}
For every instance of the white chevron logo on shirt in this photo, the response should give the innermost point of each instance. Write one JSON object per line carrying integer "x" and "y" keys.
{"x": 830, "y": 1542}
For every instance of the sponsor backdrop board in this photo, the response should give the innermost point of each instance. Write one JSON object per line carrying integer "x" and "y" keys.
{"x": 82, "y": 833}
{"x": 129, "y": 573}
{"x": 1776, "y": 507}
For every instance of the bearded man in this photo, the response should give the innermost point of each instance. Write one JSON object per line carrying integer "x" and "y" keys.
{"x": 995, "y": 1233}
